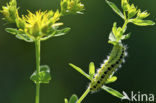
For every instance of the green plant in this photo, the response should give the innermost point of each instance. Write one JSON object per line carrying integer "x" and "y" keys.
{"x": 39, "y": 27}
{"x": 105, "y": 74}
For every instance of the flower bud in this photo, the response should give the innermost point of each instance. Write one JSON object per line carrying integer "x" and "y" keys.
{"x": 56, "y": 16}
{"x": 20, "y": 23}
{"x": 142, "y": 15}
{"x": 132, "y": 11}
{"x": 125, "y": 5}
{"x": 64, "y": 7}
{"x": 35, "y": 30}
{"x": 71, "y": 7}
{"x": 118, "y": 32}
{"x": 10, "y": 11}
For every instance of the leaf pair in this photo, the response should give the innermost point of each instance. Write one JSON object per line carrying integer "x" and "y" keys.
{"x": 44, "y": 75}
{"x": 91, "y": 75}
{"x": 19, "y": 34}
{"x": 73, "y": 99}
{"x": 28, "y": 38}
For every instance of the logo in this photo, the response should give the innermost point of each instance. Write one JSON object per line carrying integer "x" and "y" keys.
{"x": 138, "y": 96}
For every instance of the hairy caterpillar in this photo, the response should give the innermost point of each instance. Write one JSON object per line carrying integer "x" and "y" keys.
{"x": 109, "y": 67}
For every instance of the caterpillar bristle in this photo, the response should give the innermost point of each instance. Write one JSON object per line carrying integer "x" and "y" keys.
{"x": 123, "y": 60}
{"x": 107, "y": 57}
{"x": 102, "y": 65}
{"x": 126, "y": 54}
{"x": 120, "y": 66}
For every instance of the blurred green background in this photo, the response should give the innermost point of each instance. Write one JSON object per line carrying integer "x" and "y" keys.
{"x": 86, "y": 42}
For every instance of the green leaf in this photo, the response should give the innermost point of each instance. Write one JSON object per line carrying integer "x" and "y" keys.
{"x": 80, "y": 71}
{"x": 140, "y": 22}
{"x": 43, "y": 76}
{"x": 56, "y": 33}
{"x": 114, "y": 28}
{"x": 112, "y": 42}
{"x": 12, "y": 31}
{"x": 19, "y": 34}
{"x": 112, "y": 38}
{"x": 127, "y": 36}
{"x": 49, "y": 36}
{"x": 64, "y": 7}
{"x": 125, "y": 5}
{"x": 115, "y": 8}
{"x": 113, "y": 92}
{"x": 73, "y": 99}
{"x": 24, "y": 37}
{"x": 132, "y": 11}
{"x": 62, "y": 32}
{"x": 91, "y": 69}
{"x": 66, "y": 100}
{"x": 111, "y": 80}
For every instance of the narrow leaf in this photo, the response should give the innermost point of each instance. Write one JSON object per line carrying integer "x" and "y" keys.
{"x": 111, "y": 80}
{"x": 19, "y": 34}
{"x": 140, "y": 22}
{"x": 112, "y": 37}
{"x": 73, "y": 99}
{"x": 91, "y": 69}
{"x": 66, "y": 100}
{"x": 80, "y": 71}
{"x": 115, "y": 8}
{"x": 55, "y": 33}
{"x": 62, "y": 32}
{"x": 113, "y": 92}
{"x": 112, "y": 42}
{"x": 11, "y": 31}
{"x": 24, "y": 37}
{"x": 49, "y": 36}
{"x": 114, "y": 28}
{"x": 127, "y": 36}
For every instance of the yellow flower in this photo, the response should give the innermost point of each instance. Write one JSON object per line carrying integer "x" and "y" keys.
{"x": 38, "y": 24}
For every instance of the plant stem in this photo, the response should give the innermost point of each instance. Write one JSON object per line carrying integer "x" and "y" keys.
{"x": 37, "y": 46}
{"x": 83, "y": 96}
{"x": 125, "y": 24}
{"x": 37, "y": 92}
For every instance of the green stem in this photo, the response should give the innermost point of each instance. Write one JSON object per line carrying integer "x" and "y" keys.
{"x": 83, "y": 96}
{"x": 37, "y": 46}
{"x": 124, "y": 25}
{"x": 37, "y": 92}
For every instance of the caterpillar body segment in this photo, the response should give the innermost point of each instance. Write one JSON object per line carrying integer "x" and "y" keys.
{"x": 109, "y": 67}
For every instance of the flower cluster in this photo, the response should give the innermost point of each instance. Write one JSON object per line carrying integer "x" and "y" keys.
{"x": 133, "y": 11}
{"x": 71, "y": 7}
{"x": 40, "y": 25}
{"x": 10, "y": 11}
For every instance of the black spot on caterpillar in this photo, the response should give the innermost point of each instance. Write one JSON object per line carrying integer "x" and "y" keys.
{"x": 109, "y": 67}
